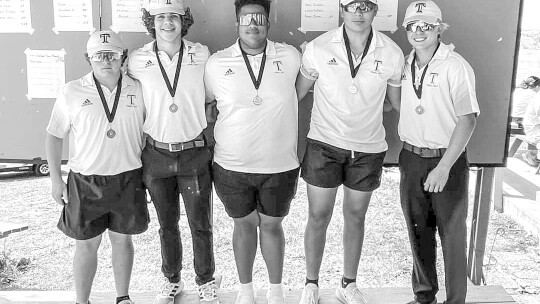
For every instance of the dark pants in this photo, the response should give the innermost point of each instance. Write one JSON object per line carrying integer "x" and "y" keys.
{"x": 167, "y": 175}
{"x": 425, "y": 213}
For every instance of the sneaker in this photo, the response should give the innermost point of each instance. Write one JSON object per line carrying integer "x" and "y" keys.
{"x": 126, "y": 302}
{"x": 275, "y": 298}
{"x": 168, "y": 292}
{"x": 350, "y": 294}
{"x": 530, "y": 159}
{"x": 208, "y": 291}
{"x": 245, "y": 297}
{"x": 310, "y": 294}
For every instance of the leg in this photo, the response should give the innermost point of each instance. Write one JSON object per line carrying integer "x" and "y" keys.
{"x": 245, "y": 245}
{"x": 272, "y": 241}
{"x": 321, "y": 206}
{"x": 355, "y": 205}
{"x": 420, "y": 220}
{"x": 85, "y": 266}
{"x": 122, "y": 261}
{"x": 451, "y": 210}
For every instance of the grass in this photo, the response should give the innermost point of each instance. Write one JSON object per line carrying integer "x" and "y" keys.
{"x": 512, "y": 256}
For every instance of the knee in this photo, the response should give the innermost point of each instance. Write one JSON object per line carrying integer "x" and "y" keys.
{"x": 274, "y": 228}
{"x": 319, "y": 219}
{"x": 88, "y": 247}
{"x": 357, "y": 216}
{"x": 120, "y": 240}
{"x": 245, "y": 226}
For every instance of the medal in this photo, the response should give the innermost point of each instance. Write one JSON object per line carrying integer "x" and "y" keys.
{"x": 257, "y": 100}
{"x": 110, "y": 115}
{"x": 172, "y": 88}
{"x": 256, "y": 81}
{"x": 353, "y": 89}
{"x": 111, "y": 133}
{"x": 419, "y": 110}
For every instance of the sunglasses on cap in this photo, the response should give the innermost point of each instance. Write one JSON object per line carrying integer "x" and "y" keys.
{"x": 258, "y": 19}
{"x": 364, "y": 7}
{"x": 423, "y": 26}
{"x": 110, "y": 56}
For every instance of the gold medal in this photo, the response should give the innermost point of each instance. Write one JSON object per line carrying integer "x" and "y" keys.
{"x": 353, "y": 89}
{"x": 257, "y": 100}
{"x": 173, "y": 108}
{"x": 419, "y": 110}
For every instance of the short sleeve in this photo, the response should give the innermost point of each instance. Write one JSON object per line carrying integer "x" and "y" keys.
{"x": 395, "y": 80}
{"x": 462, "y": 88}
{"x": 208, "y": 80}
{"x": 309, "y": 67}
{"x": 60, "y": 121}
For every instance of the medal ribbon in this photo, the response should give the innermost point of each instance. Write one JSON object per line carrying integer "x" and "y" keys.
{"x": 354, "y": 70}
{"x": 110, "y": 115}
{"x": 418, "y": 90}
{"x": 172, "y": 90}
{"x": 256, "y": 82}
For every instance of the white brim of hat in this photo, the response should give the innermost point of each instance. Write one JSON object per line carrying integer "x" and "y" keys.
{"x": 350, "y": 1}
{"x": 427, "y": 19}
{"x": 164, "y": 10}
{"x": 104, "y": 49}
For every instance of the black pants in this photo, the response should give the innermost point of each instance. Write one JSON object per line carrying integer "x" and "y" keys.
{"x": 425, "y": 213}
{"x": 167, "y": 175}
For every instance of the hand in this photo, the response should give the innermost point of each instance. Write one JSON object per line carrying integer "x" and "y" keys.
{"x": 436, "y": 180}
{"x": 59, "y": 193}
{"x": 211, "y": 112}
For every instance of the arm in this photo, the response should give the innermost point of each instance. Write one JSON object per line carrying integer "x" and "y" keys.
{"x": 394, "y": 96}
{"x": 303, "y": 85}
{"x": 53, "y": 147}
{"x": 438, "y": 177}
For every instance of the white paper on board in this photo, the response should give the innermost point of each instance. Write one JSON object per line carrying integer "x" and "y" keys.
{"x": 386, "y": 18}
{"x": 15, "y": 16}
{"x": 46, "y": 72}
{"x": 319, "y": 15}
{"x": 126, "y": 16}
{"x": 72, "y": 16}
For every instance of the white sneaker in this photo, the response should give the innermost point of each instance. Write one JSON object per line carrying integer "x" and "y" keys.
{"x": 310, "y": 294}
{"x": 350, "y": 294}
{"x": 245, "y": 297}
{"x": 208, "y": 291}
{"x": 168, "y": 292}
{"x": 275, "y": 297}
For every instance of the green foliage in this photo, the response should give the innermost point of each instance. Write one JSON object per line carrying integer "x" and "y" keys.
{"x": 11, "y": 269}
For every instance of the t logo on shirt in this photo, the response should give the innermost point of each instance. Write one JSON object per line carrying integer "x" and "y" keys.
{"x": 131, "y": 104}
{"x": 433, "y": 80}
{"x": 277, "y": 66}
{"x": 376, "y": 65}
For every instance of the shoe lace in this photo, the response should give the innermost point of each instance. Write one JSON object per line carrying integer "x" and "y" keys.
{"x": 168, "y": 289}
{"x": 355, "y": 295}
{"x": 208, "y": 290}
{"x": 309, "y": 296}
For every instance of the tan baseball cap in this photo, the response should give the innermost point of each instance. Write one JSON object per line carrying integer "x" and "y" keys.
{"x": 345, "y": 2}
{"x": 103, "y": 41}
{"x": 426, "y": 11}
{"x": 156, "y": 7}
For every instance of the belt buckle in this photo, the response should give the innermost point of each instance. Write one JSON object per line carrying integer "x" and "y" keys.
{"x": 425, "y": 152}
{"x": 171, "y": 149}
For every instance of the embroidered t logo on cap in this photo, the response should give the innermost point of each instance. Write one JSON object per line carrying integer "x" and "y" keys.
{"x": 103, "y": 41}
{"x": 426, "y": 11}
{"x": 156, "y": 7}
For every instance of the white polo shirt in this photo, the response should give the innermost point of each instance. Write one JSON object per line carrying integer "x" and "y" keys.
{"x": 339, "y": 118}
{"x": 255, "y": 138}
{"x": 448, "y": 92}
{"x": 189, "y": 120}
{"x": 78, "y": 111}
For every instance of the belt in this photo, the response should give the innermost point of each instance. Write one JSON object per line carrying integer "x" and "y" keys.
{"x": 177, "y": 147}
{"x": 424, "y": 152}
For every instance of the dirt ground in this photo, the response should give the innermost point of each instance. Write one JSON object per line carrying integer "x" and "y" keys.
{"x": 512, "y": 257}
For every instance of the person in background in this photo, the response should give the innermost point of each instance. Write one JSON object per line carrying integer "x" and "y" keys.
{"x": 437, "y": 117}
{"x": 176, "y": 159}
{"x": 531, "y": 126}
{"x": 523, "y": 94}
{"x": 353, "y": 68}
{"x": 102, "y": 114}
{"x": 255, "y": 162}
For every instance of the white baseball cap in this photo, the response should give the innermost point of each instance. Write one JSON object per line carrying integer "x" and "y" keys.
{"x": 103, "y": 41}
{"x": 156, "y": 7}
{"x": 345, "y": 2}
{"x": 426, "y": 11}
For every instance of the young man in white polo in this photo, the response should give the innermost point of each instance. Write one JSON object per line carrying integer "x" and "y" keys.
{"x": 255, "y": 162}
{"x": 102, "y": 113}
{"x": 353, "y": 68}
{"x": 176, "y": 159}
{"x": 437, "y": 117}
